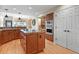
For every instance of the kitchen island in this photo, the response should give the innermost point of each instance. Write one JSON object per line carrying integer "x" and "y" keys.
{"x": 32, "y": 42}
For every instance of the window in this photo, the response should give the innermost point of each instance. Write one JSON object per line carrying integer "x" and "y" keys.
{"x": 16, "y": 24}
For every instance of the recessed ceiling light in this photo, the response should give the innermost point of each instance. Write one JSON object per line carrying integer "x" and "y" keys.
{"x": 19, "y": 12}
{"x": 36, "y": 13}
{"x": 0, "y": 10}
{"x": 14, "y": 8}
{"x": 30, "y": 7}
{"x": 6, "y": 9}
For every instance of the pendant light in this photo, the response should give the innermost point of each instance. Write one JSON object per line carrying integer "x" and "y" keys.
{"x": 6, "y": 13}
{"x": 19, "y": 14}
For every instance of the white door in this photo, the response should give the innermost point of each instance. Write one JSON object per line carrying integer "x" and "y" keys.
{"x": 75, "y": 31}
{"x": 69, "y": 28}
{"x": 60, "y": 29}
{"x": 69, "y": 21}
{"x": 73, "y": 34}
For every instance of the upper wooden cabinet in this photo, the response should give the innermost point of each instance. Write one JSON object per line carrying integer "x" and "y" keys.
{"x": 49, "y": 16}
{"x": 43, "y": 22}
{"x": 45, "y": 18}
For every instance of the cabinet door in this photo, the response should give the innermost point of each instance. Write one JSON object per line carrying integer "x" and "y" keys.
{"x": 75, "y": 33}
{"x": 31, "y": 43}
{"x": 6, "y": 36}
{"x": 23, "y": 43}
{"x": 60, "y": 29}
{"x": 17, "y": 34}
{"x": 69, "y": 33}
{"x": 71, "y": 23}
{"x": 1, "y": 38}
{"x": 11, "y": 33}
{"x": 41, "y": 41}
{"x": 49, "y": 37}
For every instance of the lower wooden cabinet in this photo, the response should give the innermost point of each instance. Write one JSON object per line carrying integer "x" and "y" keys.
{"x": 9, "y": 35}
{"x": 41, "y": 41}
{"x": 17, "y": 34}
{"x": 49, "y": 37}
{"x": 33, "y": 42}
{"x": 1, "y": 37}
{"x": 23, "y": 43}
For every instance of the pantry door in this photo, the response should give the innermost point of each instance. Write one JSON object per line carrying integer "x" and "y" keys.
{"x": 60, "y": 29}
{"x": 69, "y": 34}
{"x": 75, "y": 30}
{"x": 73, "y": 27}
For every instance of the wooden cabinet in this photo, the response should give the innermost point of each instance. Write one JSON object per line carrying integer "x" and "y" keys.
{"x": 43, "y": 22}
{"x": 41, "y": 41}
{"x": 1, "y": 38}
{"x": 49, "y": 37}
{"x": 17, "y": 34}
{"x": 23, "y": 41}
{"x": 46, "y": 18}
{"x": 49, "y": 16}
{"x": 29, "y": 42}
{"x": 33, "y": 42}
{"x": 8, "y": 35}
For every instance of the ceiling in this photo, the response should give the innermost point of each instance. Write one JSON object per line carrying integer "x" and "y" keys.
{"x": 31, "y": 10}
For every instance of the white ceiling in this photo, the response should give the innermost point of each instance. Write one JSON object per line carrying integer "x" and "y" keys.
{"x": 31, "y": 10}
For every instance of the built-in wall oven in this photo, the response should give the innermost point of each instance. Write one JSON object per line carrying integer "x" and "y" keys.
{"x": 49, "y": 30}
{"x": 49, "y": 27}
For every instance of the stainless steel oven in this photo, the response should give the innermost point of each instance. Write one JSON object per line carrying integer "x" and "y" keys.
{"x": 49, "y": 26}
{"x": 49, "y": 30}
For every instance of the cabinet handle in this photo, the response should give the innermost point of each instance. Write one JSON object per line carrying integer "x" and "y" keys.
{"x": 68, "y": 31}
{"x": 40, "y": 36}
{"x": 64, "y": 30}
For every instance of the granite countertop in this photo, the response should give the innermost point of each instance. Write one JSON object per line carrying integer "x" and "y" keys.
{"x": 24, "y": 31}
{"x": 9, "y": 28}
{"x": 29, "y": 31}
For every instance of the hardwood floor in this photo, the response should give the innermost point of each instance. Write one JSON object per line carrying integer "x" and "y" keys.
{"x": 51, "y": 48}
{"x": 14, "y": 47}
